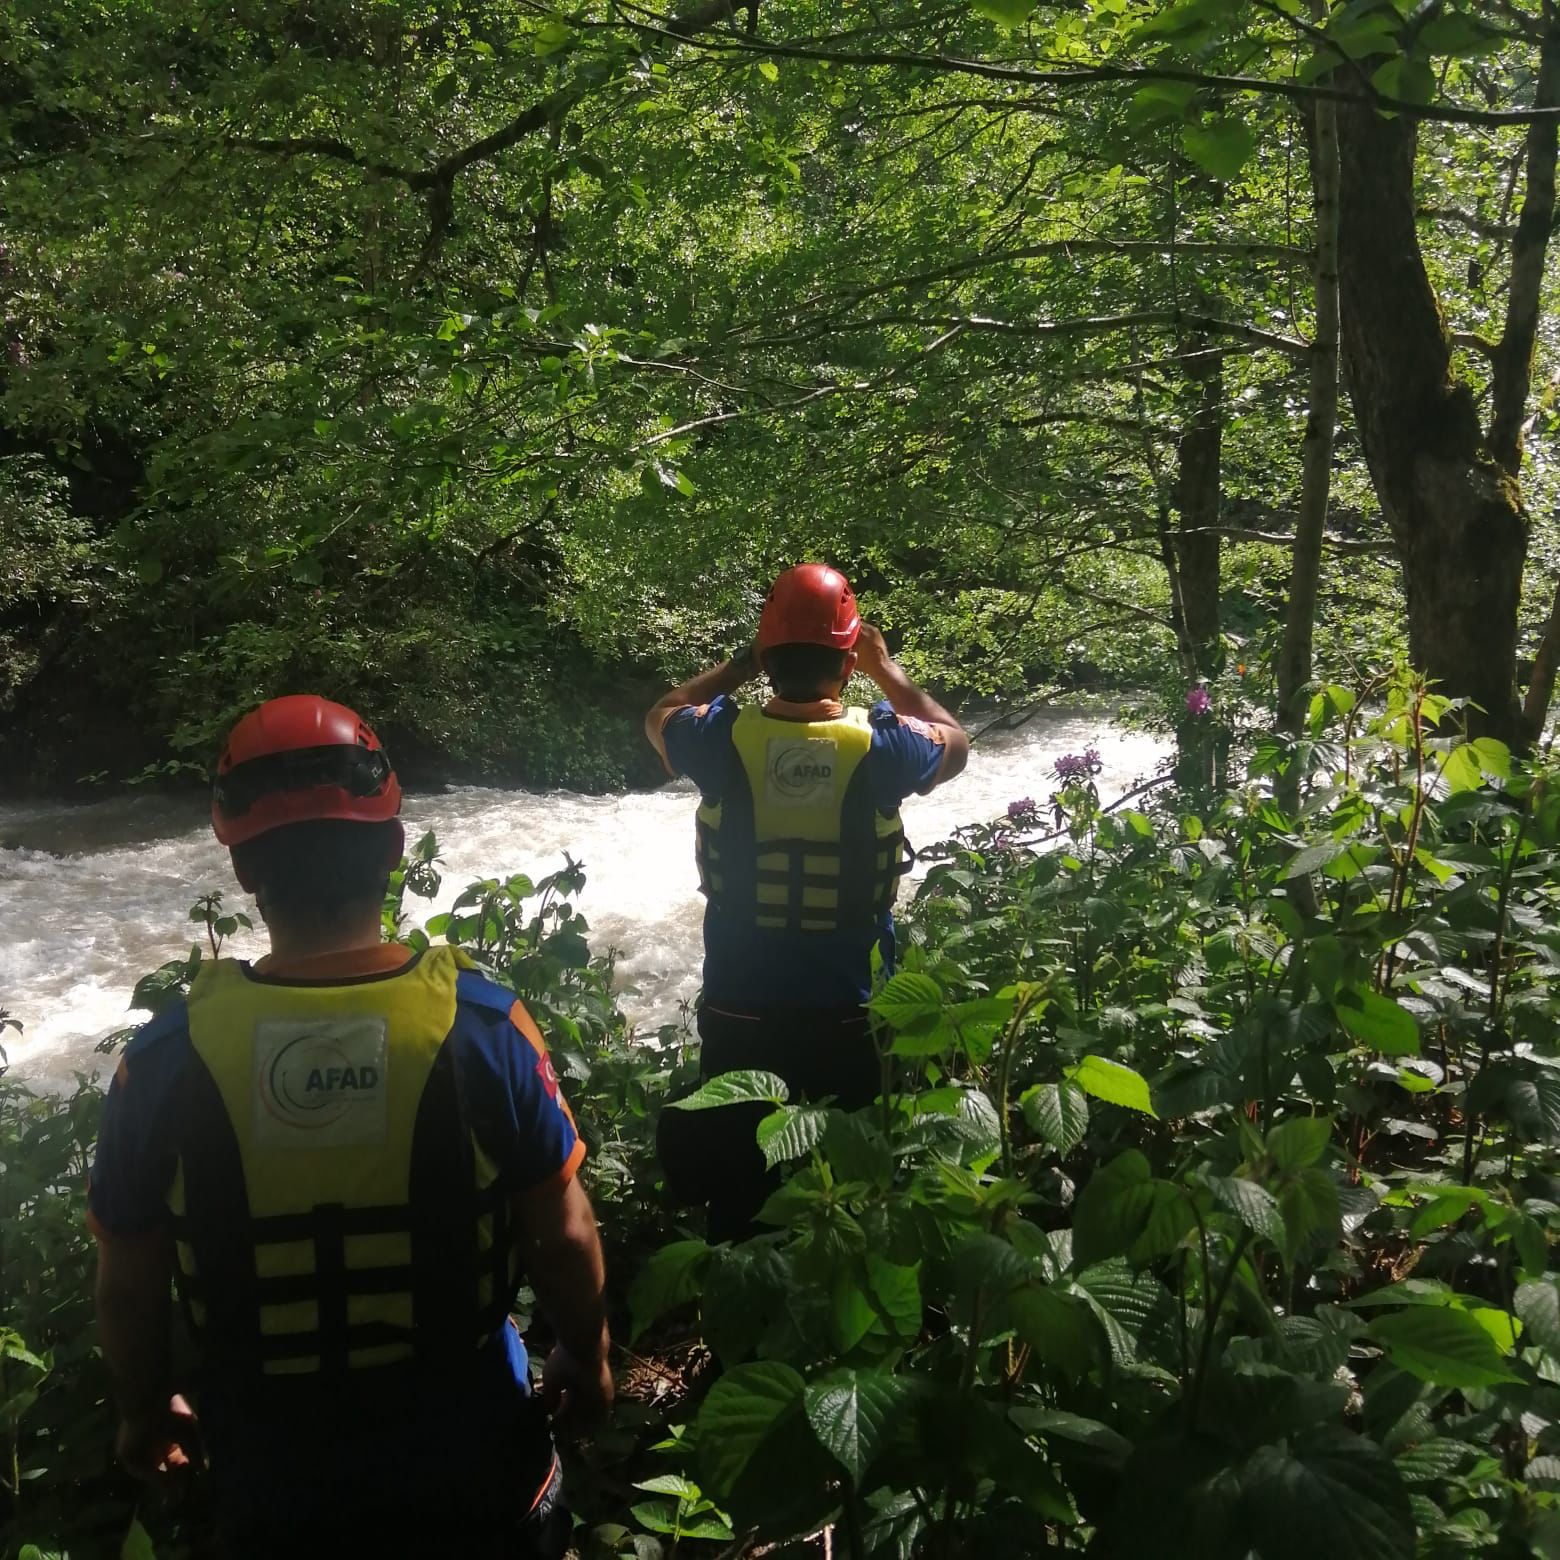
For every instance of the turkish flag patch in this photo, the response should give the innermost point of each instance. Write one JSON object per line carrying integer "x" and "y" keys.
{"x": 548, "y": 1074}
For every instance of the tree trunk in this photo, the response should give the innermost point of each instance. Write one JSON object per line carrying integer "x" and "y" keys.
{"x": 1295, "y": 655}
{"x": 1199, "y": 456}
{"x": 1456, "y": 516}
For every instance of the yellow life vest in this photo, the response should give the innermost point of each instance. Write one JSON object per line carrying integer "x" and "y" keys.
{"x": 796, "y": 843}
{"x": 332, "y": 1209}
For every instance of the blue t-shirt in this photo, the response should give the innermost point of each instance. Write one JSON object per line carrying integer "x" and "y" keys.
{"x": 516, "y": 1113}
{"x": 747, "y": 968}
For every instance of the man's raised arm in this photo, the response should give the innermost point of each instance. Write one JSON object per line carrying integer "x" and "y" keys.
{"x": 709, "y": 684}
{"x": 906, "y": 698}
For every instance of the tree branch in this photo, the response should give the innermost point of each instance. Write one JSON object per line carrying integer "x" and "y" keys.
{"x": 1513, "y": 376}
{"x": 1100, "y": 325}
{"x": 1092, "y": 75}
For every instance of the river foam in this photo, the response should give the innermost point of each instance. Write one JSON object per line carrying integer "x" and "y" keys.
{"x": 92, "y": 897}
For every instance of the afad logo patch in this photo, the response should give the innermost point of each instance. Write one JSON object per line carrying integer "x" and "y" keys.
{"x": 800, "y": 773}
{"x": 320, "y": 1083}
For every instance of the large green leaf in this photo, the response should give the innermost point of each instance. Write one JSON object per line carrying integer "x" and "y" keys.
{"x": 745, "y": 1408}
{"x": 1326, "y": 1492}
{"x": 908, "y": 998}
{"x": 853, "y": 1414}
{"x": 1255, "y": 1206}
{"x": 1113, "y": 1083}
{"x": 791, "y": 1132}
{"x": 1124, "y": 1211}
{"x": 1300, "y": 1141}
{"x": 1059, "y": 1113}
{"x": 1221, "y": 147}
{"x": 856, "y": 1150}
{"x": 1005, "y": 13}
{"x": 670, "y": 1278}
{"x": 1538, "y": 1304}
{"x": 745, "y": 1087}
{"x": 1056, "y": 1325}
{"x": 1378, "y": 1022}
{"x": 1308, "y": 1200}
{"x": 1442, "y": 1345}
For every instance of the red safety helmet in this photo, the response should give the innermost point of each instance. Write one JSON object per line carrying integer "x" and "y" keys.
{"x": 811, "y": 604}
{"x": 297, "y": 760}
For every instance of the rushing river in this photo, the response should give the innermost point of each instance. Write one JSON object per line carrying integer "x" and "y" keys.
{"x": 93, "y": 896}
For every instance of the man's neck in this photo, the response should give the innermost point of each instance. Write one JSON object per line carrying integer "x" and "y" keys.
{"x": 296, "y": 941}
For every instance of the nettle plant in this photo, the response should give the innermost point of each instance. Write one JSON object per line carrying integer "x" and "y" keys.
{"x": 1209, "y": 1204}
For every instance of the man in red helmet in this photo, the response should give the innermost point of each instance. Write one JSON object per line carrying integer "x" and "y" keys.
{"x": 800, "y": 851}
{"x": 345, "y": 1155}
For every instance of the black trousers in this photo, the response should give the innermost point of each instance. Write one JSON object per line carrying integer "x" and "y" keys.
{"x": 712, "y": 1156}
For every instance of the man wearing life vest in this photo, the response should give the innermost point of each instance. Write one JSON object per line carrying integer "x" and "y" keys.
{"x": 800, "y": 850}
{"x": 345, "y": 1155}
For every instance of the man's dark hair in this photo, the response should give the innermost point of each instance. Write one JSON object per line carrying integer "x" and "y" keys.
{"x": 803, "y": 672}
{"x": 318, "y": 868}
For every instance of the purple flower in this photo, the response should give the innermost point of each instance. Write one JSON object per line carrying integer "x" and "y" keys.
{"x": 1078, "y": 768}
{"x": 1198, "y": 702}
{"x": 1022, "y": 810}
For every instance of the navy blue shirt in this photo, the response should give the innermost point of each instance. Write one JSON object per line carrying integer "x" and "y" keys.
{"x": 747, "y": 968}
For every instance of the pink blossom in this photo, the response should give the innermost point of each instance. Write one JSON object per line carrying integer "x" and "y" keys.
{"x": 1198, "y": 702}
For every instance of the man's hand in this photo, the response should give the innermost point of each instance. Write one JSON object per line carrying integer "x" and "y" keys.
{"x": 872, "y": 657}
{"x": 162, "y": 1445}
{"x": 579, "y": 1397}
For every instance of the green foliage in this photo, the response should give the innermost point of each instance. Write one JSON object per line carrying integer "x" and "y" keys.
{"x": 1156, "y": 1194}
{"x": 406, "y": 353}
{"x": 1188, "y": 1278}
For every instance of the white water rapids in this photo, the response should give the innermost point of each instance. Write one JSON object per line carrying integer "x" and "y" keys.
{"x": 93, "y": 896}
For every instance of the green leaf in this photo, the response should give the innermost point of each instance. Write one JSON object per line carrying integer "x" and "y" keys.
{"x": 856, "y": 1150}
{"x": 1538, "y": 1304}
{"x": 550, "y": 37}
{"x": 1056, "y": 1325}
{"x": 994, "y": 1447}
{"x": 769, "y": 70}
{"x": 735, "y": 1088}
{"x": 1378, "y": 1022}
{"x": 1057, "y": 1424}
{"x": 1005, "y": 13}
{"x": 791, "y": 1132}
{"x": 149, "y": 569}
{"x": 1314, "y": 857}
{"x": 1113, "y": 1083}
{"x": 670, "y": 1484}
{"x": 745, "y": 1408}
{"x": 1308, "y": 1200}
{"x": 1441, "y": 1345}
{"x": 1153, "y": 104}
{"x": 1458, "y": 35}
{"x": 853, "y": 1414}
{"x": 1221, "y": 147}
{"x": 1326, "y": 1492}
{"x": 907, "y": 998}
{"x": 1058, "y": 1113}
{"x": 669, "y": 1279}
{"x": 1124, "y": 1211}
{"x": 137, "y": 1543}
{"x": 1253, "y": 1205}
{"x": 1300, "y": 1141}
{"x": 1406, "y": 79}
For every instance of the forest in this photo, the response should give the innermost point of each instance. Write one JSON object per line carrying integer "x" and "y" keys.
{"x": 478, "y": 364}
